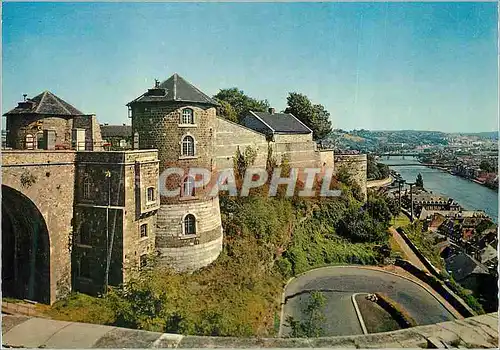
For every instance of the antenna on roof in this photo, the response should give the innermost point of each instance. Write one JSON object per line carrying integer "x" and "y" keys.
{"x": 24, "y": 96}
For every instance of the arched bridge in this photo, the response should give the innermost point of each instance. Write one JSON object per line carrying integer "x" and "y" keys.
{"x": 37, "y": 211}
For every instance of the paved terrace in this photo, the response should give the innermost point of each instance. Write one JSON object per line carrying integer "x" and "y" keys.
{"x": 22, "y": 331}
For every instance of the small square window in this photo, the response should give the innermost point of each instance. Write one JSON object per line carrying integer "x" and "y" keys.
{"x": 144, "y": 230}
{"x": 151, "y": 194}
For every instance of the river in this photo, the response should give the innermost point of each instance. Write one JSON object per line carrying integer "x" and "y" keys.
{"x": 468, "y": 194}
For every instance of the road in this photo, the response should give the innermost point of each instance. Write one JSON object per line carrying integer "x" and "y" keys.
{"x": 410, "y": 255}
{"x": 339, "y": 283}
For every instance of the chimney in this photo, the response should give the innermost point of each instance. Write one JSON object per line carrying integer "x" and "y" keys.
{"x": 271, "y": 110}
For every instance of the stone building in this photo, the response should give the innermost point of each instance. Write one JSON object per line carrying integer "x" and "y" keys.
{"x": 48, "y": 122}
{"x": 93, "y": 217}
{"x": 117, "y": 137}
{"x": 72, "y": 219}
{"x": 179, "y": 120}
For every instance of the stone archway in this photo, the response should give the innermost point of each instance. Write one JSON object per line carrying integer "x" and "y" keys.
{"x": 25, "y": 249}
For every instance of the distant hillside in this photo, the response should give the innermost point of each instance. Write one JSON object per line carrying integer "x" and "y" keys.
{"x": 484, "y": 135}
{"x": 368, "y": 141}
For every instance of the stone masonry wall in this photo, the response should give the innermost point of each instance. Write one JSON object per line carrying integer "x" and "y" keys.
{"x": 300, "y": 149}
{"x": 52, "y": 193}
{"x": 159, "y": 126}
{"x": 174, "y": 246}
{"x": 479, "y": 332}
{"x": 141, "y": 172}
{"x": 356, "y": 165}
{"x": 19, "y": 126}
{"x": 93, "y": 139}
{"x": 132, "y": 172}
{"x": 231, "y": 136}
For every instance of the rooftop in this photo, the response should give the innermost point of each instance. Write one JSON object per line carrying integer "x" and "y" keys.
{"x": 45, "y": 103}
{"x": 116, "y": 130}
{"x": 174, "y": 89}
{"x": 282, "y": 122}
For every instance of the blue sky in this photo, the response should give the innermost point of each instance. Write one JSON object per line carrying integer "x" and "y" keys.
{"x": 383, "y": 66}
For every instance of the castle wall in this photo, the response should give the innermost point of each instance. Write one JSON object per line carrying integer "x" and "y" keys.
{"x": 300, "y": 149}
{"x": 356, "y": 165}
{"x": 327, "y": 159}
{"x": 230, "y": 137}
{"x": 115, "y": 210}
{"x": 52, "y": 192}
{"x": 189, "y": 252}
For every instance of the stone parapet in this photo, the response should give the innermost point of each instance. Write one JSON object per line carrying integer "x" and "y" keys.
{"x": 21, "y": 331}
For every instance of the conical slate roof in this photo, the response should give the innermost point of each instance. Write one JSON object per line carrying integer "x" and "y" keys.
{"x": 45, "y": 103}
{"x": 175, "y": 89}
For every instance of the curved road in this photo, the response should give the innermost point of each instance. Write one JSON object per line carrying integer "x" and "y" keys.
{"x": 338, "y": 285}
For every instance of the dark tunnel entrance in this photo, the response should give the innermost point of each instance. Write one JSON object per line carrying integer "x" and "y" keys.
{"x": 25, "y": 249}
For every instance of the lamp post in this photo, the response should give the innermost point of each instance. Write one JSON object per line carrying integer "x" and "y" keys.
{"x": 108, "y": 176}
{"x": 411, "y": 184}
{"x": 400, "y": 186}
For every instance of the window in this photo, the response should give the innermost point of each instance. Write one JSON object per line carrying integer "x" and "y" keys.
{"x": 87, "y": 188}
{"x": 144, "y": 230}
{"x": 188, "y": 146}
{"x": 84, "y": 267}
{"x": 190, "y": 225}
{"x": 188, "y": 187}
{"x": 143, "y": 260}
{"x": 187, "y": 116}
{"x": 151, "y": 194}
{"x": 30, "y": 142}
{"x": 85, "y": 234}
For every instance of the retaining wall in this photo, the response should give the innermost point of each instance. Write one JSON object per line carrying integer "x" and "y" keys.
{"x": 438, "y": 286}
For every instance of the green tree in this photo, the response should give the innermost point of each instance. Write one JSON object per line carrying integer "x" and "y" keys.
{"x": 378, "y": 208}
{"x": 225, "y": 110}
{"x": 316, "y": 117}
{"x": 240, "y": 104}
{"x": 419, "y": 182}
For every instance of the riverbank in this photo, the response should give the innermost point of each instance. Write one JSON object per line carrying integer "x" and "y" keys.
{"x": 379, "y": 183}
{"x": 469, "y": 194}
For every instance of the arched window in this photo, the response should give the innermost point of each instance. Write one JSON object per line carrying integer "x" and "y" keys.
{"x": 30, "y": 143}
{"x": 190, "y": 225}
{"x": 188, "y": 146}
{"x": 188, "y": 187}
{"x": 187, "y": 116}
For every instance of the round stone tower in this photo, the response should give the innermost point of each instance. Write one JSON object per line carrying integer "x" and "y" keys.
{"x": 356, "y": 165}
{"x": 179, "y": 120}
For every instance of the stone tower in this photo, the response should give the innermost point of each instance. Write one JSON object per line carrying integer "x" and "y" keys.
{"x": 179, "y": 120}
